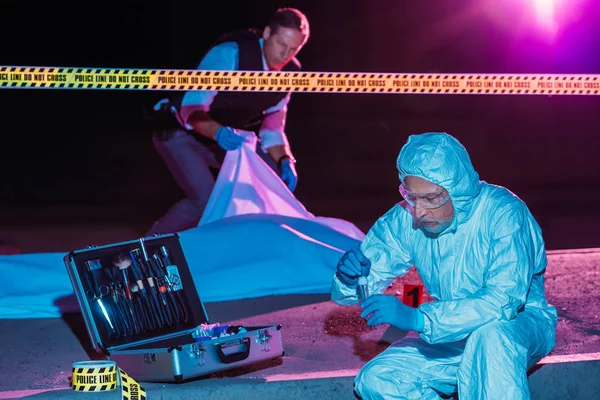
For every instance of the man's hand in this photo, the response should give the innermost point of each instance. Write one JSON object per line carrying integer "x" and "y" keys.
{"x": 282, "y": 155}
{"x": 352, "y": 265}
{"x": 228, "y": 138}
{"x": 289, "y": 174}
{"x": 387, "y": 309}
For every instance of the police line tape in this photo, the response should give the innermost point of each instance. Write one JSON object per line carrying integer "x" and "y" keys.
{"x": 314, "y": 82}
{"x": 101, "y": 376}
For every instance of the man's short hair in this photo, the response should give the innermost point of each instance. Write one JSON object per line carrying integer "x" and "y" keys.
{"x": 289, "y": 18}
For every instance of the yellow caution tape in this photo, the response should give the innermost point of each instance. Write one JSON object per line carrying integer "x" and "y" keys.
{"x": 316, "y": 82}
{"x": 100, "y": 376}
{"x": 130, "y": 389}
{"x": 94, "y": 376}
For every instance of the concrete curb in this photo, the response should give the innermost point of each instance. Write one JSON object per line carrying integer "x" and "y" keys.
{"x": 221, "y": 389}
{"x": 554, "y": 378}
{"x": 573, "y": 376}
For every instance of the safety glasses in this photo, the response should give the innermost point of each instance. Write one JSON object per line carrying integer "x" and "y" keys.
{"x": 426, "y": 200}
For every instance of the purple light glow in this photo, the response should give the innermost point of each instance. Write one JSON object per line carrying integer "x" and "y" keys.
{"x": 545, "y": 13}
{"x": 544, "y": 9}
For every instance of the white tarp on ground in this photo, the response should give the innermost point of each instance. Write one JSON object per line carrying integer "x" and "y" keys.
{"x": 255, "y": 239}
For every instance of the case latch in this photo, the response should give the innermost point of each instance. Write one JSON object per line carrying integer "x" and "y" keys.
{"x": 263, "y": 337}
{"x": 150, "y": 358}
{"x": 197, "y": 351}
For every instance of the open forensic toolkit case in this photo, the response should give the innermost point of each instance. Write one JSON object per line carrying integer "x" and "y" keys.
{"x": 142, "y": 310}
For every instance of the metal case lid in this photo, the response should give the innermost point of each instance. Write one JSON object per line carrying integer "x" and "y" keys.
{"x": 92, "y": 273}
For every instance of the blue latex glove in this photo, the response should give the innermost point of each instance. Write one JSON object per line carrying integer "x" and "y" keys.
{"x": 289, "y": 174}
{"x": 387, "y": 309}
{"x": 352, "y": 265}
{"x": 228, "y": 139}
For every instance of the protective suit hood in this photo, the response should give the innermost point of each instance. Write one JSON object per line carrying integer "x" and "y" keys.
{"x": 443, "y": 160}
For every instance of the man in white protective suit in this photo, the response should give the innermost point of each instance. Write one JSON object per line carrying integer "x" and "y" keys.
{"x": 481, "y": 256}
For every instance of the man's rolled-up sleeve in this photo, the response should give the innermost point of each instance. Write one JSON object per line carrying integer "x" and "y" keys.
{"x": 272, "y": 130}
{"x": 223, "y": 57}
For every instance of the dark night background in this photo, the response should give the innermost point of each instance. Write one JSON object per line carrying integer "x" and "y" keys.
{"x": 91, "y": 150}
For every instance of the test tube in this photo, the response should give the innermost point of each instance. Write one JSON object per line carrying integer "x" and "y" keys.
{"x": 362, "y": 289}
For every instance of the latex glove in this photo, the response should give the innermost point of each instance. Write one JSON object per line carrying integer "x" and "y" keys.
{"x": 228, "y": 138}
{"x": 352, "y": 265}
{"x": 289, "y": 174}
{"x": 387, "y": 309}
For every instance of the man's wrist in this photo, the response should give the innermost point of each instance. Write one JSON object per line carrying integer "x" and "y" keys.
{"x": 285, "y": 157}
{"x": 217, "y": 128}
{"x": 202, "y": 124}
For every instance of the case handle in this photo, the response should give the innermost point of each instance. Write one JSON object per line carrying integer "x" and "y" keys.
{"x": 233, "y": 357}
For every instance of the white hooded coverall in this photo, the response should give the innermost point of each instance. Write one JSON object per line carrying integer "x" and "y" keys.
{"x": 490, "y": 320}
